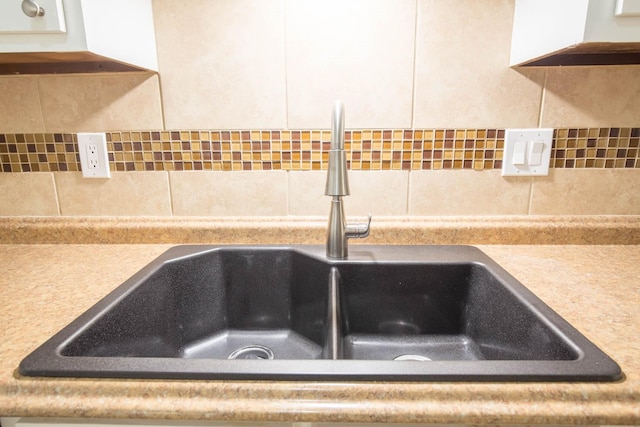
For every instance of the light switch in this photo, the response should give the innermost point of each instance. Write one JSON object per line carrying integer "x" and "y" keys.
{"x": 535, "y": 157}
{"x": 527, "y": 152}
{"x": 519, "y": 152}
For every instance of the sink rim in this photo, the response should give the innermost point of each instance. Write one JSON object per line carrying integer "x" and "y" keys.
{"x": 47, "y": 360}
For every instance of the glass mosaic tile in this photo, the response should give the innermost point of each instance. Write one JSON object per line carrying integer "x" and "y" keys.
{"x": 367, "y": 149}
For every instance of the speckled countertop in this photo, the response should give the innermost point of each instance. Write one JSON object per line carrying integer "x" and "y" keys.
{"x": 513, "y": 229}
{"x": 596, "y": 288}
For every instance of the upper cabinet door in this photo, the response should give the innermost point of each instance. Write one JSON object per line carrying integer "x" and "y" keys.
{"x": 76, "y": 36}
{"x": 575, "y": 32}
{"x": 15, "y": 19}
{"x": 627, "y": 7}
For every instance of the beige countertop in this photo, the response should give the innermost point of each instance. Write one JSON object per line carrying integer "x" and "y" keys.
{"x": 596, "y": 288}
{"x": 486, "y": 230}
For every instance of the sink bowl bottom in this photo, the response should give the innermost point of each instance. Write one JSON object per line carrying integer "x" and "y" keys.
{"x": 411, "y": 347}
{"x": 239, "y": 344}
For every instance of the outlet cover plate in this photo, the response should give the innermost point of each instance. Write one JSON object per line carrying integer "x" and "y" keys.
{"x": 535, "y": 158}
{"x": 94, "y": 160}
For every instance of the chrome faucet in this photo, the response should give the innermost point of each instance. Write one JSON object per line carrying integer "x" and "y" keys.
{"x": 337, "y": 187}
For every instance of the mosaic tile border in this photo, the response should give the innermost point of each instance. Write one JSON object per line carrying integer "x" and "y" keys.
{"x": 390, "y": 149}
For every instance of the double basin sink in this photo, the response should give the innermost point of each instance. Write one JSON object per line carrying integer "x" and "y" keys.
{"x": 393, "y": 313}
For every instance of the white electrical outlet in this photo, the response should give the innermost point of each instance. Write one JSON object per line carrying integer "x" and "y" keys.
{"x": 527, "y": 152}
{"x": 94, "y": 160}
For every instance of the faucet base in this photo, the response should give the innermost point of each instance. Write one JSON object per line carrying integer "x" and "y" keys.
{"x": 336, "y": 230}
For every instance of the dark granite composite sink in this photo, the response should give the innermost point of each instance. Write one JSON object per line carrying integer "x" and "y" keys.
{"x": 405, "y": 313}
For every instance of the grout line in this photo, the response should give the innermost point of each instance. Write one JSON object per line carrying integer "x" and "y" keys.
{"x": 415, "y": 61}
{"x": 542, "y": 98}
{"x": 288, "y": 189}
{"x": 408, "y": 202}
{"x": 160, "y": 93}
{"x": 56, "y": 193}
{"x": 530, "y": 195}
{"x": 286, "y": 65}
{"x": 171, "y": 208}
{"x": 158, "y": 73}
{"x": 44, "y": 126}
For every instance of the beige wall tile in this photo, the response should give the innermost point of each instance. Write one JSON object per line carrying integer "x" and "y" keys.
{"x": 222, "y": 63}
{"x": 381, "y": 193}
{"x": 100, "y": 102}
{"x": 20, "y": 110}
{"x": 124, "y": 194}
{"x": 464, "y": 192}
{"x": 255, "y": 193}
{"x": 306, "y": 193}
{"x": 24, "y": 194}
{"x": 360, "y": 51}
{"x": 463, "y": 77}
{"x": 587, "y": 192}
{"x": 592, "y": 97}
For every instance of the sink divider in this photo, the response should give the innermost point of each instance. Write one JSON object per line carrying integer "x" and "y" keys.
{"x": 333, "y": 332}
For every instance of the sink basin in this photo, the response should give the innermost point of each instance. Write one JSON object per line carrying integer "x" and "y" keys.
{"x": 210, "y": 303}
{"x": 406, "y": 313}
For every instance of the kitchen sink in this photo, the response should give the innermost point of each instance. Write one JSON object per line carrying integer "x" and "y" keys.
{"x": 208, "y": 304}
{"x": 393, "y": 313}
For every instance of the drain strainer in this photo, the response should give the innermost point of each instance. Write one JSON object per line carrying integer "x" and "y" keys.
{"x": 254, "y": 351}
{"x": 413, "y": 357}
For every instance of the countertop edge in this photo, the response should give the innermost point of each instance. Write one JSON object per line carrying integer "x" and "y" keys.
{"x": 370, "y": 411}
{"x": 515, "y": 230}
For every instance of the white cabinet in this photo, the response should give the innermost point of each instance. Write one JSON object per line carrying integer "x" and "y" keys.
{"x": 628, "y": 8}
{"x": 77, "y": 35}
{"x": 575, "y": 32}
{"x": 50, "y": 19}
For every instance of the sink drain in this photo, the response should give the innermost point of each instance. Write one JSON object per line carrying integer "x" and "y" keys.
{"x": 252, "y": 352}
{"x": 413, "y": 357}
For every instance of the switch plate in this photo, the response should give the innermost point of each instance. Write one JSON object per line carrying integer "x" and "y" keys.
{"x": 527, "y": 152}
{"x": 94, "y": 160}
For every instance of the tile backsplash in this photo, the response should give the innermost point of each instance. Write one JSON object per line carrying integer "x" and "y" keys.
{"x": 299, "y": 150}
{"x": 427, "y": 90}
{"x": 393, "y": 173}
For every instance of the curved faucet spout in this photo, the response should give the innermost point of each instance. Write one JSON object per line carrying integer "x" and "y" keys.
{"x": 337, "y": 186}
{"x": 337, "y": 182}
{"x": 337, "y": 126}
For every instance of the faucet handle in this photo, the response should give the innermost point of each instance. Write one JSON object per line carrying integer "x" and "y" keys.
{"x": 358, "y": 230}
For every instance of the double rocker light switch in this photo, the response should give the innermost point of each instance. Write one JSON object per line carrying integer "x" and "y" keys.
{"x": 526, "y": 152}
